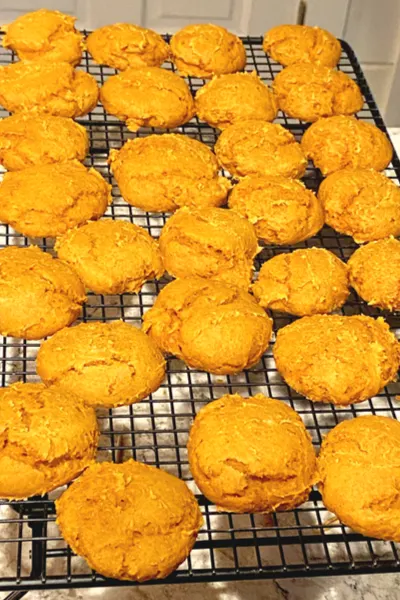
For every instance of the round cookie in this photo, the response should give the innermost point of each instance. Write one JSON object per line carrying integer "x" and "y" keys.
{"x": 303, "y": 283}
{"x": 161, "y": 173}
{"x": 233, "y": 98}
{"x": 38, "y": 294}
{"x": 47, "y": 200}
{"x": 111, "y": 257}
{"x": 205, "y": 50}
{"x": 343, "y": 142}
{"x": 361, "y": 203}
{"x": 47, "y": 439}
{"x": 107, "y": 364}
{"x": 151, "y": 519}
{"x": 335, "y": 359}
{"x": 210, "y": 325}
{"x": 251, "y": 455}
{"x": 309, "y": 92}
{"x": 123, "y": 45}
{"x": 148, "y": 97}
{"x": 54, "y": 88}
{"x": 283, "y": 211}
{"x": 213, "y": 243}
{"x": 260, "y": 148}
{"x": 374, "y": 271}
{"x": 289, "y": 44}
{"x": 359, "y": 472}
{"x": 27, "y": 140}
{"x": 46, "y": 35}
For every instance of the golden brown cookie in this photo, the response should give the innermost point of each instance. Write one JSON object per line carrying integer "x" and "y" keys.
{"x": 46, "y": 35}
{"x": 210, "y": 325}
{"x": 151, "y": 519}
{"x": 283, "y": 211}
{"x": 335, "y": 359}
{"x": 111, "y": 257}
{"x": 213, "y": 243}
{"x": 309, "y": 92}
{"x": 260, "y": 148}
{"x": 205, "y": 50}
{"x": 359, "y": 470}
{"x": 47, "y": 200}
{"x": 107, "y": 364}
{"x": 160, "y": 173}
{"x": 54, "y": 88}
{"x": 289, "y": 44}
{"x": 345, "y": 142}
{"x": 251, "y": 455}
{"x": 233, "y": 98}
{"x": 304, "y": 282}
{"x": 123, "y": 45}
{"x": 375, "y": 273}
{"x": 362, "y": 203}
{"x": 28, "y": 139}
{"x": 38, "y": 294}
{"x": 46, "y": 439}
{"x": 148, "y": 97}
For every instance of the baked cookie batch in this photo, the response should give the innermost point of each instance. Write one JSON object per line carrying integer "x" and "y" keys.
{"x": 245, "y": 454}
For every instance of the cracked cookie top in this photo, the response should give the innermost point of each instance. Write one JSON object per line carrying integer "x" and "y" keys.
{"x": 251, "y": 454}
{"x": 210, "y": 325}
{"x": 205, "y": 50}
{"x": 289, "y": 44}
{"x": 106, "y": 364}
{"x": 45, "y": 34}
{"x": 38, "y": 294}
{"x": 151, "y": 519}
{"x": 47, "y": 438}
{"x": 160, "y": 173}
{"x": 123, "y": 45}
{"x": 359, "y": 471}
{"x": 47, "y": 200}
{"x": 111, "y": 257}
{"x": 148, "y": 97}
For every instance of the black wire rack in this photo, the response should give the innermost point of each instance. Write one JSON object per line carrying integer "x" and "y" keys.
{"x": 303, "y": 542}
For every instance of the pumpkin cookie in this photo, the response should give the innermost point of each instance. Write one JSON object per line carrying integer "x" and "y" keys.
{"x": 151, "y": 519}
{"x": 343, "y": 142}
{"x": 123, "y": 45}
{"x": 361, "y": 203}
{"x": 160, "y": 173}
{"x": 47, "y": 439}
{"x": 206, "y": 50}
{"x": 283, "y": 211}
{"x": 251, "y": 455}
{"x": 111, "y": 257}
{"x": 214, "y": 243}
{"x": 148, "y": 97}
{"x": 260, "y": 148}
{"x": 234, "y": 98}
{"x": 304, "y": 282}
{"x": 46, "y": 35}
{"x": 359, "y": 469}
{"x": 338, "y": 360}
{"x": 38, "y": 294}
{"x": 47, "y": 200}
{"x": 27, "y": 140}
{"x": 107, "y": 364}
{"x": 54, "y": 88}
{"x": 210, "y": 325}
{"x": 375, "y": 273}
{"x": 309, "y": 92}
{"x": 289, "y": 44}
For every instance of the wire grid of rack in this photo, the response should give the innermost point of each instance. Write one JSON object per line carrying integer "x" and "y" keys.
{"x": 302, "y": 542}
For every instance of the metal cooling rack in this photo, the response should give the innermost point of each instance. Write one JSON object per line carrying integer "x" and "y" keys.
{"x": 303, "y": 542}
